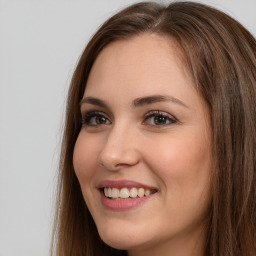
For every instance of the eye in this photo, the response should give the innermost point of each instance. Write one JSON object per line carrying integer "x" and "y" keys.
{"x": 95, "y": 118}
{"x": 159, "y": 118}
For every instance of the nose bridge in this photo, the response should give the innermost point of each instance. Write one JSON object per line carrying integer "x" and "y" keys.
{"x": 119, "y": 148}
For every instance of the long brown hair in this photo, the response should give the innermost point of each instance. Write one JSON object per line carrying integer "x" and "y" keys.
{"x": 220, "y": 55}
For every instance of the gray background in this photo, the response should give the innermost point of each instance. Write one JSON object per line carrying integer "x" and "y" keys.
{"x": 40, "y": 42}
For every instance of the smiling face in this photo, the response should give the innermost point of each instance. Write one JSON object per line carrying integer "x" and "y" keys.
{"x": 146, "y": 144}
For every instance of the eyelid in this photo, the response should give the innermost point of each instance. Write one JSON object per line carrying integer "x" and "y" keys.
{"x": 91, "y": 113}
{"x": 94, "y": 112}
{"x": 159, "y": 112}
{"x": 154, "y": 113}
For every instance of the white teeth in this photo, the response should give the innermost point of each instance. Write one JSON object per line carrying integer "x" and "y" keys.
{"x": 106, "y": 192}
{"x": 125, "y": 193}
{"x": 147, "y": 192}
{"x": 133, "y": 192}
{"x": 114, "y": 193}
{"x": 141, "y": 192}
{"x": 109, "y": 192}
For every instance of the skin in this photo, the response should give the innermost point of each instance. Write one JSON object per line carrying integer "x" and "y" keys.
{"x": 173, "y": 157}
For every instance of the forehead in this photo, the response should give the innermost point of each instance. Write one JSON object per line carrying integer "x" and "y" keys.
{"x": 148, "y": 62}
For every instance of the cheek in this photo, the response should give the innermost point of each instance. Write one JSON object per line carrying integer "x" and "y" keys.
{"x": 84, "y": 159}
{"x": 184, "y": 169}
{"x": 182, "y": 163}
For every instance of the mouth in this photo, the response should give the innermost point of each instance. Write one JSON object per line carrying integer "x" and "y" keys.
{"x": 126, "y": 193}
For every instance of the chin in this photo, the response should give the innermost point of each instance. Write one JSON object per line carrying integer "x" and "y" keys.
{"x": 119, "y": 238}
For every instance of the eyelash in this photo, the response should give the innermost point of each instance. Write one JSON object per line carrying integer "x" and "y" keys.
{"x": 157, "y": 113}
{"x": 88, "y": 118}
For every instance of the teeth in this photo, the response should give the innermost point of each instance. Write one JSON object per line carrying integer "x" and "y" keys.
{"x": 114, "y": 193}
{"x": 109, "y": 191}
{"x": 133, "y": 192}
{"x": 141, "y": 192}
{"x": 147, "y": 192}
{"x": 106, "y": 192}
{"x": 124, "y": 193}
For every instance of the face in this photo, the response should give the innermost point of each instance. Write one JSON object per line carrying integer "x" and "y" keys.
{"x": 143, "y": 155}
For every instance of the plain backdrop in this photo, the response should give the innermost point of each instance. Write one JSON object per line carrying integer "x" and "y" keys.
{"x": 40, "y": 43}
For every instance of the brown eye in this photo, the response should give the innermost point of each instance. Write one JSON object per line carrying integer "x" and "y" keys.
{"x": 158, "y": 118}
{"x": 101, "y": 120}
{"x": 95, "y": 119}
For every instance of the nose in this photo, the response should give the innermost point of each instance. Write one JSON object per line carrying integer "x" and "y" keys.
{"x": 119, "y": 149}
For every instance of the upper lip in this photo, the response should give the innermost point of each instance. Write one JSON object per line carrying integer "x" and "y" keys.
{"x": 123, "y": 184}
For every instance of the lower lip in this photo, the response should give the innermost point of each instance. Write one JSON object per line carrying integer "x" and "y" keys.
{"x": 123, "y": 204}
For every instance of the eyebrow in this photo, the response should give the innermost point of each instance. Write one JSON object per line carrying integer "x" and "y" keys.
{"x": 157, "y": 98}
{"x": 94, "y": 101}
{"x": 138, "y": 102}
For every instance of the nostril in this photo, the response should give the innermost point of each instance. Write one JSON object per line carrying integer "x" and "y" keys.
{"x": 119, "y": 150}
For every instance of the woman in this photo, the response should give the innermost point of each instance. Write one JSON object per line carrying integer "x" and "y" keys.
{"x": 159, "y": 150}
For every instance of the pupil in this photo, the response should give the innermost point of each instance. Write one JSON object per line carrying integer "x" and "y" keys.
{"x": 101, "y": 120}
{"x": 160, "y": 120}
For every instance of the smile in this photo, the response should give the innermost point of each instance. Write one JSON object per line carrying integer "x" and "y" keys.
{"x": 125, "y": 193}
{"x": 121, "y": 195}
